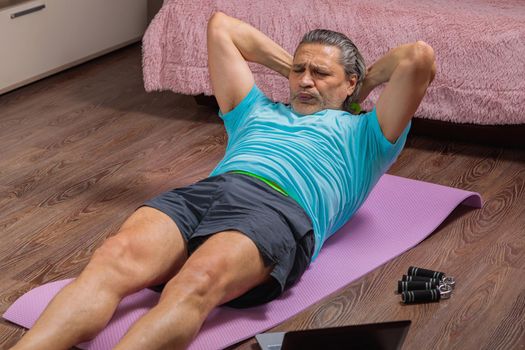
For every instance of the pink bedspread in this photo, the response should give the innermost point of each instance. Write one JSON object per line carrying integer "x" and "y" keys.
{"x": 479, "y": 46}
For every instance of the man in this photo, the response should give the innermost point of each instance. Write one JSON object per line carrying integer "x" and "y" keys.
{"x": 291, "y": 176}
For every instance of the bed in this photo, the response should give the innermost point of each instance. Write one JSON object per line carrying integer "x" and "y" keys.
{"x": 479, "y": 46}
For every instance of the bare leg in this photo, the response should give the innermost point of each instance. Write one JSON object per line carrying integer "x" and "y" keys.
{"x": 147, "y": 250}
{"x": 224, "y": 267}
{"x": 76, "y": 314}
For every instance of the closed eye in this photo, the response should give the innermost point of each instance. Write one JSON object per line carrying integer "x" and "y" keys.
{"x": 299, "y": 70}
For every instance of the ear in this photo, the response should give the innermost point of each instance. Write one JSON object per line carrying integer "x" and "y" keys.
{"x": 351, "y": 84}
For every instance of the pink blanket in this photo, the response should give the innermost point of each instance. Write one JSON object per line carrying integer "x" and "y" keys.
{"x": 479, "y": 46}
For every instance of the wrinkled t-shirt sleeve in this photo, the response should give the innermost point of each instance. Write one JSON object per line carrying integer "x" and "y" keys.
{"x": 249, "y": 103}
{"x": 381, "y": 149}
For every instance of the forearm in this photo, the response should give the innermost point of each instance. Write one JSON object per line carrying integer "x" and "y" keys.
{"x": 381, "y": 70}
{"x": 256, "y": 47}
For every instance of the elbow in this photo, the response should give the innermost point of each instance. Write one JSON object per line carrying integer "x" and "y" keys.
{"x": 218, "y": 21}
{"x": 423, "y": 51}
{"x": 428, "y": 57}
{"x": 423, "y": 59}
{"x": 216, "y": 17}
{"x": 217, "y": 28}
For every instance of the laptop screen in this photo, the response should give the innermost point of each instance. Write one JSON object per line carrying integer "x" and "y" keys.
{"x": 380, "y": 336}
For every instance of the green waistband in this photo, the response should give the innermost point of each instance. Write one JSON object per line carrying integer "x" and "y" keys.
{"x": 272, "y": 184}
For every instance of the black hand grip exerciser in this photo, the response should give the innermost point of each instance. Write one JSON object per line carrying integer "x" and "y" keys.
{"x": 417, "y": 271}
{"x": 419, "y": 278}
{"x": 418, "y": 296}
{"x": 403, "y": 286}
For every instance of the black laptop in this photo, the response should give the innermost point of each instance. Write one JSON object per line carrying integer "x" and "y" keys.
{"x": 373, "y": 336}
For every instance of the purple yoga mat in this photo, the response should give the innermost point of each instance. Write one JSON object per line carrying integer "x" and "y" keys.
{"x": 398, "y": 214}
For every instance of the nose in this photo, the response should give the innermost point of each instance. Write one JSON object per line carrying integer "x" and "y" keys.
{"x": 306, "y": 80}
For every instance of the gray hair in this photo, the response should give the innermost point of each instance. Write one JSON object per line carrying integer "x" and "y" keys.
{"x": 351, "y": 59}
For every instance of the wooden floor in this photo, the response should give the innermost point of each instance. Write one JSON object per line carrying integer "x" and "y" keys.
{"x": 82, "y": 149}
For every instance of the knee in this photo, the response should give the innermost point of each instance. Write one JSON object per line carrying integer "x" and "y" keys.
{"x": 113, "y": 259}
{"x": 199, "y": 287}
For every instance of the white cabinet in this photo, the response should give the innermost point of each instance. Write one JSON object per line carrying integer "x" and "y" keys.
{"x": 58, "y": 34}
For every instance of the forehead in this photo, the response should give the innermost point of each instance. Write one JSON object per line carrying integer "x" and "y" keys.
{"x": 317, "y": 54}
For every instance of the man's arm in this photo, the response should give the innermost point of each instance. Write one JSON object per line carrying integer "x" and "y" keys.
{"x": 232, "y": 42}
{"x": 409, "y": 69}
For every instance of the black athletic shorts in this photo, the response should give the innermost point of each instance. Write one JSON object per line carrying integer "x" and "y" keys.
{"x": 277, "y": 224}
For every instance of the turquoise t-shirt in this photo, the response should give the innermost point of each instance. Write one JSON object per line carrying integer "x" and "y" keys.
{"x": 328, "y": 161}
